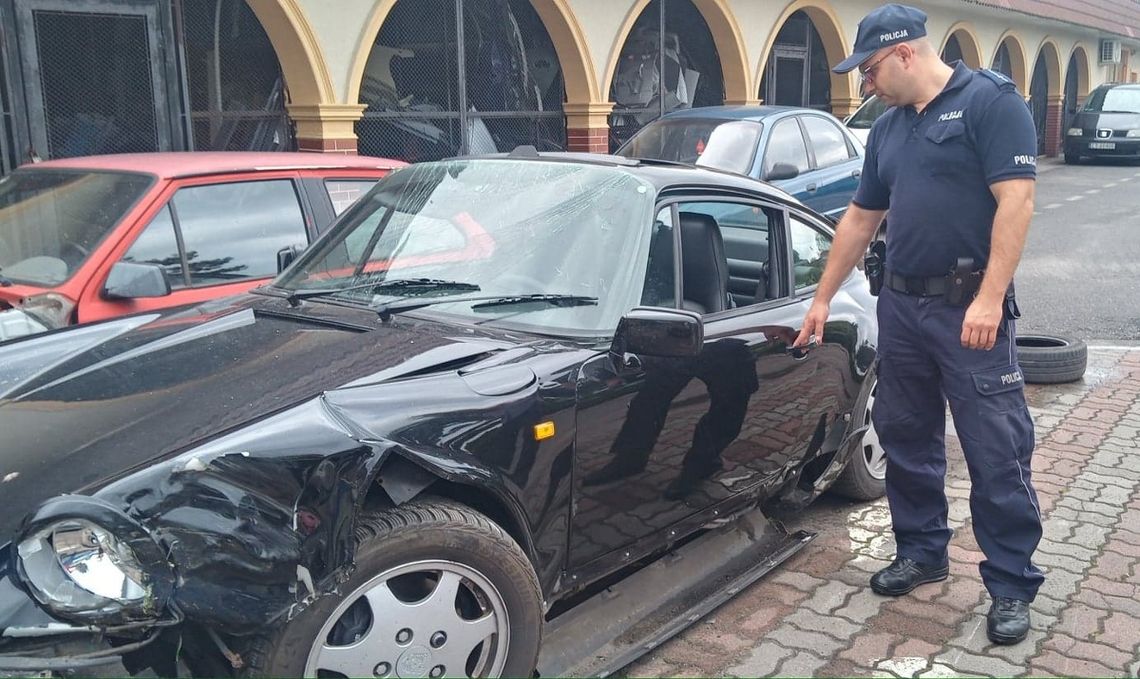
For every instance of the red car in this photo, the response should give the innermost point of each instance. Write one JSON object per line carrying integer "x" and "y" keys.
{"x": 85, "y": 239}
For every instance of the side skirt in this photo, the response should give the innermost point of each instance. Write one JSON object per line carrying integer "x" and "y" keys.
{"x": 620, "y": 624}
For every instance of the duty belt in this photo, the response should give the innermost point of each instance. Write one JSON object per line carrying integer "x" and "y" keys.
{"x": 916, "y": 286}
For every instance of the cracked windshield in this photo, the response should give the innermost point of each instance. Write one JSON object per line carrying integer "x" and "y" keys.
{"x": 491, "y": 229}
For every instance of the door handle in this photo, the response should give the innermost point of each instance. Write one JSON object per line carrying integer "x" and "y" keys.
{"x": 811, "y": 187}
{"x": 856, "y": 173}
{"x": 800, "y": 353}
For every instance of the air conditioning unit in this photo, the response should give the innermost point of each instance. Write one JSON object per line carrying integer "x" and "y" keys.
{"x": 1109, "y": 51}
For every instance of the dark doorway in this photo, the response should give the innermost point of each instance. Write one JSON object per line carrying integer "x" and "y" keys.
{"x": 481, "y": 76}
{"x": 1039, "y": 99}
{"x": 952, "y": 51}
{"x": 1071, "y": 101}
{"x": 668, "y": 62}
{"x": 100, "y": 85}
{"x": 797, "y": 73}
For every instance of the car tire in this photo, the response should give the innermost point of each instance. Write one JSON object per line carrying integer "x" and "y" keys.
{"x": 1072, "y": 159}
{"x": 399, "y": 551}
{"x": 865, "y": 476}
{"x": 1051, "y": 360}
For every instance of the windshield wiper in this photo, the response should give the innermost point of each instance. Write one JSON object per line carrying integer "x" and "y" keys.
{"x": 403, "y": 284}
{"x": 546, "y": 300}
{"x": 386, "y": 310}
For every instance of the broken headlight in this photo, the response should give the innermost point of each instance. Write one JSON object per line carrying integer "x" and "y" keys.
{"x": 85, "y": 561}
{"x": 51, "y": 309}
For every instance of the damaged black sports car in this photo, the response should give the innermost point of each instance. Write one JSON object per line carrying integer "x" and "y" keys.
{"x": 510, "y": 415}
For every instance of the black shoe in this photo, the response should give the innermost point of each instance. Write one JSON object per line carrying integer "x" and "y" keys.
{"x": 1008, "y": 620}
{"x": 691, "y": 478}
{"x": 904, "y": 575}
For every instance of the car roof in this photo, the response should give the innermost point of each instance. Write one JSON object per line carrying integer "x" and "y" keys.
{"x": 1122, "y": 86}
{"x": 754, "y": 113}
{"x": 177, "y": 164}
{"x": 661, "y": 173}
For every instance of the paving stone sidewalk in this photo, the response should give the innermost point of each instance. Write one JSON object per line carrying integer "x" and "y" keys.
{"x": 816, "y": 614}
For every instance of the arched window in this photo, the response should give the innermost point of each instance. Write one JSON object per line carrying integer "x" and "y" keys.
{"x": 659, "y": 71}
{"x": 443, "y": 87}
{"x": 233, "y": 79}
{"x": 952, "y": 51}
{"x": 797, "y": 72}
{"x": 1039, "y": 99}
{"x": 1003, "y": 63}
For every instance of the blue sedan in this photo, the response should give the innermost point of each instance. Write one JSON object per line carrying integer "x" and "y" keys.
{"x": 806, "y": 152}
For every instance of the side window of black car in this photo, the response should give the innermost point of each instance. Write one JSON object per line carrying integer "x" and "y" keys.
{"x": 810, "y": 248}
{"x": 827, "y": 141}
{"x": 786, "y": 145}
{"x": 660, "y": 277}
{"x": 233, "y": 231}
{"x": 736, "y": 259}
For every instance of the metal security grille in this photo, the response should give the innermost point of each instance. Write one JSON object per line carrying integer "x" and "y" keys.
{"x": 234, "y": 88}
{"x": 96, "y": 83}
{"x": 7, "y": 123}
{"x": 448, "y": 77}
{"x": 668, "y": 62}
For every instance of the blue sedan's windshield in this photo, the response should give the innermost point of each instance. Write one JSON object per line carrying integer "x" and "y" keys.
{"x": 720, "y": 144}
{"x": 499, "y": 226}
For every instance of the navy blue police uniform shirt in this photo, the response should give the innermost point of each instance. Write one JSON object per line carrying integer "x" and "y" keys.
{"x": 933, "y": 170}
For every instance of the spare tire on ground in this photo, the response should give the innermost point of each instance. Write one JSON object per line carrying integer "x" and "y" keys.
{"x": 1051, "y": 360}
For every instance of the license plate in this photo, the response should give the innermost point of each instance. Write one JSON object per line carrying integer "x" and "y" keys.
{"x": 1103, "y": 145}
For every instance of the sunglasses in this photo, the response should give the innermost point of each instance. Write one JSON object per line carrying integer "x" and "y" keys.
{"x": 868, "y": 74}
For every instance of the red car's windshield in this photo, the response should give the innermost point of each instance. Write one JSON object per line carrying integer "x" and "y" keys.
{"x": 51, "y": 220}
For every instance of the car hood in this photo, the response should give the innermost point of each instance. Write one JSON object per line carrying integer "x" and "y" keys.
{"x": 84, "y": 406}
{"x": 1111, "y": 121}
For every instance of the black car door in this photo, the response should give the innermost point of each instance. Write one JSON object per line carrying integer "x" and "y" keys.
{"x": 670, "y": 437}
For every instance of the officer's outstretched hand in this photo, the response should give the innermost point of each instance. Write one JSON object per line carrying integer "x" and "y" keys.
{"x": 979, "y": 329}
{"x": 813, "y": 323}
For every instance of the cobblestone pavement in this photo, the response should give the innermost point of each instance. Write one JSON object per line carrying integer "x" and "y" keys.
{"x": 816, "y": 615}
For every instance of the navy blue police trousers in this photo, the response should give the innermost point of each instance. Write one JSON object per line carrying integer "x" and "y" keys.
{"x": 922, "y": 366}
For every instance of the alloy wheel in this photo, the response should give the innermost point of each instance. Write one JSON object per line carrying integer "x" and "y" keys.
{"x": 423, "y": 619}
{"x": 874, "y": 457}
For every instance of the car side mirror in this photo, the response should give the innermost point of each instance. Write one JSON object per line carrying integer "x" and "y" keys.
{"x": 131, "y": 280}
{"x": 285, "y": 256}
{"x": 653, "y": 331}
{"x": 781, "y": 171}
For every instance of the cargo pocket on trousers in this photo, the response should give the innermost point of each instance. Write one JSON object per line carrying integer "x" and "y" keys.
{"x": 1002, "y": 430}
{"x": 1000, "y": 389}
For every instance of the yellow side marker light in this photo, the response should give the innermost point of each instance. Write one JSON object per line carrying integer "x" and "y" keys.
{"x": 543, "y": 430}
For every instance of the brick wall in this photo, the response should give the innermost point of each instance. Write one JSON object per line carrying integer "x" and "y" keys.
{"x": 341, "y": 146}
{"x": 1054, "y": 119}
{"x": 588, "y": 140}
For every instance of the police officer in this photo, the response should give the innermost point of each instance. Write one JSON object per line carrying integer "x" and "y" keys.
{"x": 954, "y": 160}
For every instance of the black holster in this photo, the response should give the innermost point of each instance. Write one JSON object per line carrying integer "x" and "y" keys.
{"x": 963, "y": 282}
{"x": 873, "y": 263}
